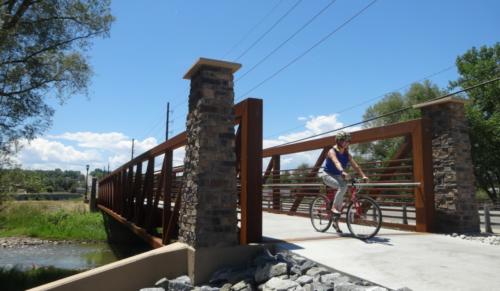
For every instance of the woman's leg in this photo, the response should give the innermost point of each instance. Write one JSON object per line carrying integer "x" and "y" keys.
{"x": 339, "y": 183}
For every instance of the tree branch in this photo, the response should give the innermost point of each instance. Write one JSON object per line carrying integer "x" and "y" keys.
{"x": 52, "y": 47}
{"x": 36, "y": 86}
{"x": 17, "y": 16}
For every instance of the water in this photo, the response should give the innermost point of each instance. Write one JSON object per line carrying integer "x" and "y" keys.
{"x": 65, "y": 256}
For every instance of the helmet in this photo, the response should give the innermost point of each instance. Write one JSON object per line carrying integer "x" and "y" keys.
{"x": 343, "y": 135}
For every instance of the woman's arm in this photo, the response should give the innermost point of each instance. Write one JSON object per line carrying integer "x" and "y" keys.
{"x": 357, "y": 168}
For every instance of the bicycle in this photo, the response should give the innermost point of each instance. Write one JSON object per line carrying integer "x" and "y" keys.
{"x": 363, "y": 215}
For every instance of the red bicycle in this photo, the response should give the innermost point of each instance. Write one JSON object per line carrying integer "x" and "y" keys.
{"x": 363, "y": 214}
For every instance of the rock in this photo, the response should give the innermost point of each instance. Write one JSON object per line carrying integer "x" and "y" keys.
{"x": 296, "y": 270}
{"x": 376, "y": 288}
{"x": 316, "y": 271}
{"x": 316, "y": 286}
{"x": 182, "y": 283}
{"x": 242, "y": 286}
{"x": 349, "y": 287}
{"x": 231, "y": 275}
{"x": 163, "y": 282}
{"x": 298, "y": 259}
{"x": 404, "y": 289}
{"x": 276, "y": 284}
{"x": 208, "y": 288}
{"x": 306, "y": 266}
{"x": 333, "y": 278}
{"x": 267, "y": 271}
{"x": 152, "y": 289}
{"x": 304, "y": 279}
{"x": 226, "y": 287}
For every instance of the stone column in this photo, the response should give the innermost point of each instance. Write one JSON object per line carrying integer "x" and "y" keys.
{"x": 208, "y": 215}
{"x": 454, "y": 189}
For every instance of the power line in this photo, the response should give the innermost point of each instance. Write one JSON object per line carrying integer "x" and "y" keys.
{"x": 400, "y": 88}
{"x": 390, "y": 113}
{"x": 252, "y": 29}
{"x": 375, "y": 98}
{"x": 288, "y": 39}
{"x": 311, "y": 48}
{"x": 269, "y": 30}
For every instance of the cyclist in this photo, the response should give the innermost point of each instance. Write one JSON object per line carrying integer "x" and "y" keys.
{"x": 337, "y": 161}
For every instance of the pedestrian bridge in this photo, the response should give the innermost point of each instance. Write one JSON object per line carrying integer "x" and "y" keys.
{"x": 136, "y": 193}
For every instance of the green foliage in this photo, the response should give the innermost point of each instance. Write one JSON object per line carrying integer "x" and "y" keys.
{"x": 98, "y": 174}
{"x": 392, "y": 102}
{"x": 483, "y": 112}
{"x": 42, "y": 53}
{"x": 51, "y": 221}
{"x": 36, "y": 181}
{"x": 15, "y": 279}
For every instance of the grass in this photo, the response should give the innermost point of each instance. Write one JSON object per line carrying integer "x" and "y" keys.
{"x": 15, "y": 279}
{"x": 59, "y": 220}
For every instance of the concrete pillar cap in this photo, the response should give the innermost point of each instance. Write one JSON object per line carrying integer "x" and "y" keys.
{"x": 213, "y": 63}
{"x": 449, "y": 99}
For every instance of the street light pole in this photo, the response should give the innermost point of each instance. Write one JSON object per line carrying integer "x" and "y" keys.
{"x": 86, "y": 185}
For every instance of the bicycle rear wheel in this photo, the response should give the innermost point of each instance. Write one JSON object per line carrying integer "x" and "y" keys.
{"x": 319, "y": 211}
{"x": 364, "y": 218}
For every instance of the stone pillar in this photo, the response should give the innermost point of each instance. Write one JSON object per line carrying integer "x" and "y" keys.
{"x": 208, "y": 215}
{"x": 454, "y": 189}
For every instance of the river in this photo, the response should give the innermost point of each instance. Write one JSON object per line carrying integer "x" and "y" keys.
{"x": 72, "y": 256}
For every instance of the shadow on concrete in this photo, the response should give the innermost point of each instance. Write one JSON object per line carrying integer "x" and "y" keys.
{"x": 379, "y": 240}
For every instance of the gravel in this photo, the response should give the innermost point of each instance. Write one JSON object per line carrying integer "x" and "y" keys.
{"x": 267, "y": 272}
{"x": 486, "y": 238}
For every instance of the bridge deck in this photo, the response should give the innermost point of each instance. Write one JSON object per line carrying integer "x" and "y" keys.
{"x": 394, "y": 259}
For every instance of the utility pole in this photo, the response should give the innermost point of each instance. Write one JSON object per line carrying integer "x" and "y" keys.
{"x": 108, "y": 167}
{"x": 168, "y": 120}
{"x": 132, "y": 156}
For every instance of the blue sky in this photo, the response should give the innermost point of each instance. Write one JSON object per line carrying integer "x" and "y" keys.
{"x": 139, "y": 68}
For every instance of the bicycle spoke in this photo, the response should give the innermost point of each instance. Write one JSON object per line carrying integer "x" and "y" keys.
{"x": 364, "y": 218}
{"x": 321, "y": 217}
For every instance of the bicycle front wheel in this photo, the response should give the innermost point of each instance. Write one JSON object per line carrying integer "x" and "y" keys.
{"x": 319, "y": 211}
{"x": 364, "y": 218}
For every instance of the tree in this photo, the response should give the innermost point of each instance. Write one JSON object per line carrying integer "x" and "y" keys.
{"x": 417, "y": 93}
{"x": 483, "y": 113}
{"x": 42, "y": 46}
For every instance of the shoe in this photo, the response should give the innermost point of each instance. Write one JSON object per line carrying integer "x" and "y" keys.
{"x": 335, "y": 225}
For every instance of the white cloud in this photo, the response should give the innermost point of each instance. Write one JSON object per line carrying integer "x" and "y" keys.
{"x": 73, "y": 150}
{"x": 42, "y": 153}
{"x": 96, "y": 149}
{"x": 313, "y": 125}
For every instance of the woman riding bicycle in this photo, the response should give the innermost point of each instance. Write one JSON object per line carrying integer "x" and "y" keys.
{"x": 337, "y": 161}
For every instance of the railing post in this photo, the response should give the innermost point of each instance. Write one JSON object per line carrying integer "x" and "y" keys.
{"x": 167, "y": 196}
{"x": 423, "y": 173}
{"x": 93, "y": 206}
{"x": 487, "y": 220}
{"x": 251, "y": 168}
{"x": 405, "y": 215}
{"x": 276, "y": 180}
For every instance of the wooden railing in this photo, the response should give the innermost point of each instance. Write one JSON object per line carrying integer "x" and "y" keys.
{"x": 148, "y": 200}
{"x": 405, "y": 207}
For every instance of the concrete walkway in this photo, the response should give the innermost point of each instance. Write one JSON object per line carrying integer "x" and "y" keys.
{"x": 393, "y": 259}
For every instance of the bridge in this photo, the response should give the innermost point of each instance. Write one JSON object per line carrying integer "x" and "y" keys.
{"x": 231, "y": 196}
{"x": 148, "y": 198}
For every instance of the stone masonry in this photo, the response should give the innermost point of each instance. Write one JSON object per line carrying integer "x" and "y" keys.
{"x": 454, "y": 179}
{"x": 208, "y": 215}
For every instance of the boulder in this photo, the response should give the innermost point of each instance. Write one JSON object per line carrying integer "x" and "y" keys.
{"x": 276, "y": 284}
